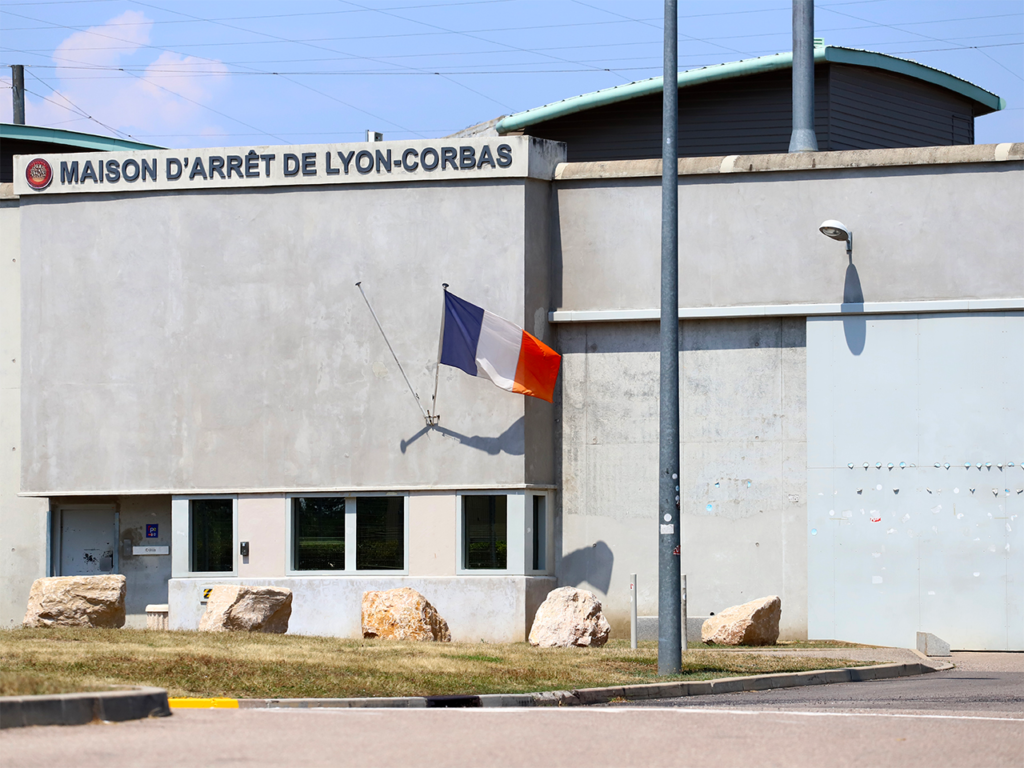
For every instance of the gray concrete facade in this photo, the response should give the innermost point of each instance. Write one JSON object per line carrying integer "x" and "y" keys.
{"x": 212, "y": 341}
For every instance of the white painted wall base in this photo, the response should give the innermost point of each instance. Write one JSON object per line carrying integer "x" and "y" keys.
{"x": 493, "y": 609}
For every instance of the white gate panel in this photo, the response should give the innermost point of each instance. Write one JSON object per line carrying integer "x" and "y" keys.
{"x": 903, "y": 545}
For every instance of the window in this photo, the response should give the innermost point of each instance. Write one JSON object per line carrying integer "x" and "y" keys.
{"x": 485, "y": 532}
{"x": 211, "y": 535}
{"x": 540, "y": 533}
{"x": 380, "y": 533}
{"x": 318, "y": 534}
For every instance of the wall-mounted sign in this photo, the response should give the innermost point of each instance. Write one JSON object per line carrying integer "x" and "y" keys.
{"x": 152, "y": 530}
{"x": 166, "y": 550}
{"x": 38, "y": 174}
{"x": 236, "y": 167}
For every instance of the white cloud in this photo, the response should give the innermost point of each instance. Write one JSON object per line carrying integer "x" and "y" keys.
{"x": 161, "y": 99}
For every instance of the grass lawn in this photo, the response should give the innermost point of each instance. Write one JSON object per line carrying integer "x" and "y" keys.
{"x": 242, "y": 665}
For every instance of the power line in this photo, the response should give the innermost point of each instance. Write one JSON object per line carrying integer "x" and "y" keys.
{"x": 921, "y": 34}
{"x": 77, "y": 108}
{"x": 256, "y": 18}
{"x": 295, "y": 82}
{"x": 478, "y": 31}
{"x": 352, "y": 72}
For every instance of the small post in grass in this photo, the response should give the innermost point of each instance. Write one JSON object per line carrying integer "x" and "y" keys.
{"x": 684, "y": 612}
{"x": 632, "y": 611}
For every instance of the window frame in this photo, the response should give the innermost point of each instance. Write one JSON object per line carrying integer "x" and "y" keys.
{"x": 351, "y": 508}
{"x": 181, "y": 537}
{"x": 549, "y": 534}
{"x": 515, "y": 534}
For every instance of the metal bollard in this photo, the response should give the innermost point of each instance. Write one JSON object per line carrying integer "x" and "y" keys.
{"x": 684, "y": 611}
{"x": 632, "y": 611}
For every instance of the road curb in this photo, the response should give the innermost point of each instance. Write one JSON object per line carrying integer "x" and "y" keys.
{"x": 587, "y": 696}
{"x": 79, "y": 708}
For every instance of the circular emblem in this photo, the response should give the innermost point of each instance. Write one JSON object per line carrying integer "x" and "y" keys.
{"x": 38, "y": 174}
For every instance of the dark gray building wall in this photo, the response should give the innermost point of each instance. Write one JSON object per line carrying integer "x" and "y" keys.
{"x": 855, "y": 108}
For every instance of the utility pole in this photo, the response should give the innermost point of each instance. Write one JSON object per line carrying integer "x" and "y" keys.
{"x": 18, "y": 83}
{"x": 803, "y": 138}
{"x": 670, "y": 655}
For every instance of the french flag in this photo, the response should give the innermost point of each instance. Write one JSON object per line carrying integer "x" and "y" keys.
{"x": 483, "y": 344}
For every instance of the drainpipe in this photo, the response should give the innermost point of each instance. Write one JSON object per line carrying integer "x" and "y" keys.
{"x": 18, "y": 72}
{"x": 803, "y": 138}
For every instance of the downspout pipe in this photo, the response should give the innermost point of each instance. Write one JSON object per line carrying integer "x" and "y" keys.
{"x": 18, "y": 89}
{"x": 803, "y": 138}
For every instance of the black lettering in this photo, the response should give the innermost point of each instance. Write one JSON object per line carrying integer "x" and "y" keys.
{"x": 384, "y": 160}
{"x": 504, "y": 155}
{"x": 113, "y": 171}
{"x": 252, "y": 165}
{"x": 486, "y": 157}
{"x": 309, "y": 163}
{"x": 235, "y": 166}
{"x": 327, "y": 163}
{"x": 88, "y": 172}
{"x": 449, "y": 156}
{"x": 134, "y": 166}
{"x": 198, "y": 169}
{"x": 369, "y": 160}
{"x": 175, "y": 163}
{"x": 69, "y": 174}
{"x": 405, "y": 160}
{"x": 467, "y": 157}
{"x": 217, "y": 166}
{"x": 267, "y": 160}
{"x": 429, "y": 166}
{"x": 345, "y": 159}
{"x": 149, "y": 169}
{"x": 291, "y": 164}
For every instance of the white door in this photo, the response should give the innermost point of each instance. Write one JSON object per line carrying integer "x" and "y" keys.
{"x": 88, "y": 537}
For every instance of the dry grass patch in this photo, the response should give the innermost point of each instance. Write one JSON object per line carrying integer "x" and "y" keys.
{"x": 241, "y": 665}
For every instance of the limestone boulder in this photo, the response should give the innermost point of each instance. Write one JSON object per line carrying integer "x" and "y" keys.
{"x": 77, "y": 601}
{"x": 570, "y": 617}
{"x": 753, "y": 623}
{"x": 239, "y": 608}
{"x": 402, "y": 614}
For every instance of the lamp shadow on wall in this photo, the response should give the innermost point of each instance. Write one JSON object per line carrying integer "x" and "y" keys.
{"x": 855, "y": 325}
{"x": 512, "y": 441}
{"x": 591, "y": 564}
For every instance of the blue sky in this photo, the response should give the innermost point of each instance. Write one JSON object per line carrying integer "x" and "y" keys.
{"x": 222, "y": 73}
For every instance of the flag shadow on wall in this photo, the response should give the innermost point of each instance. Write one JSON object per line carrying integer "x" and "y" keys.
{"x": 512, "y": 441}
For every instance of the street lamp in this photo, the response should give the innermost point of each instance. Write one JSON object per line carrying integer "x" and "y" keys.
{"x": 838, "y": 231}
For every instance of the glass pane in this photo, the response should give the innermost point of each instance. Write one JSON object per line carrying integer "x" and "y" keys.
{"x": 485, "y": 533}
{"x": 540, "y": 531}
{"x": 318, "y": 534}
{"x": 380, "y": 533}
{"x": 211, "y": 530}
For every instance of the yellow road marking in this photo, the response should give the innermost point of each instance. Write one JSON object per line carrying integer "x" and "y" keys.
{"x": 203, "y": 703}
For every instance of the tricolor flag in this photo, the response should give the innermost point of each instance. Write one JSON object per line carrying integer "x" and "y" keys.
{"x": 483, "y": 344}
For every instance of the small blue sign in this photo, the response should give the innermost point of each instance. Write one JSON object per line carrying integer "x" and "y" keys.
{"x": 152, "y": 530}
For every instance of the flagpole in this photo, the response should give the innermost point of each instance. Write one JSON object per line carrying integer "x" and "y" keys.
{"x": 433, "y": 418}
{"x": 426, "y": 415}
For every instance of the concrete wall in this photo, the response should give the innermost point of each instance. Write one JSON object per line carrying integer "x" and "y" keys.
{"x": 492, "y": 609}
{"x": 22, "y": 521}
{"x": 216, "y": 340}
{"x": 920, "y": 233}
{"x": 743, "y": 435}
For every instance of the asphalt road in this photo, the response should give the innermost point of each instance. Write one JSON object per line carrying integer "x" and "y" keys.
{"x": 981, "y": 684}
{"x": 972, "y": 716}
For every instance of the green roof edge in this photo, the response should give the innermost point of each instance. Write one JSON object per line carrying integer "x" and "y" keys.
{"x": 747, "y": 67}
{"x": 69, "y": 138}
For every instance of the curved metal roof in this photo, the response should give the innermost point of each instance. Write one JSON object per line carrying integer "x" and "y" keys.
{"x": 69, "y": 138}
{"x": 990, "y": 101}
